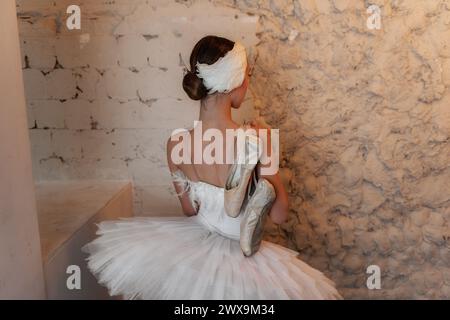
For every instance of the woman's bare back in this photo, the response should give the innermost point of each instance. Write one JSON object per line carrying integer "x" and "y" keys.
{"x": 211, "y": 173}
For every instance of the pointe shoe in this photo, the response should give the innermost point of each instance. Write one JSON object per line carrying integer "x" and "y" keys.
{"x": 254, "y": 216}
{"x": 239, "y": 177}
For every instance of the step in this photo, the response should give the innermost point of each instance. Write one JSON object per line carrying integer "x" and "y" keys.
{"x": 67, "y": 213}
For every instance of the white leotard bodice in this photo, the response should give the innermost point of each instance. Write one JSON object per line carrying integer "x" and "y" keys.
{"x": 209, "y": 199}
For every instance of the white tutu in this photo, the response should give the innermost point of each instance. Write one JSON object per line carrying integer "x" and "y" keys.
{"x": 177, "y": 258}
{"x": 197, "y": 257}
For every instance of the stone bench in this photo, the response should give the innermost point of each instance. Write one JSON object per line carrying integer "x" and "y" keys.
{"x": 67, "y": 213}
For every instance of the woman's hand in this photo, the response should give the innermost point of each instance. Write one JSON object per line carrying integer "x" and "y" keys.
{"x": 280, "y": 208}
{"x": 257, "y": 125}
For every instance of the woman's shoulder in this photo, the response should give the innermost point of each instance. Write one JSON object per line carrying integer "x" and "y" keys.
{"x": 260, "y": 131}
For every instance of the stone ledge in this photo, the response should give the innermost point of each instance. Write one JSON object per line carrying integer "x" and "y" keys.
{"x": 65, "y": 206}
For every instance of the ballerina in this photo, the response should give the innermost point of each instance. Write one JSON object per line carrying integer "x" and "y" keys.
{"x": 198, "y": 256}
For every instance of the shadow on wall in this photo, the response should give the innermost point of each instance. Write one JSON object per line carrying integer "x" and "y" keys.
{"x": 21, "y": 275}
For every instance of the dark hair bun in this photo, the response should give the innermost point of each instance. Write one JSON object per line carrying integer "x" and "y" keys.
{"x": 194, "y": 86}
{"x": 207, "y": 50}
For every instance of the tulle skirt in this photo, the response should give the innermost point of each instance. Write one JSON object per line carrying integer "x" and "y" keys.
{"x": 179, "y": 258}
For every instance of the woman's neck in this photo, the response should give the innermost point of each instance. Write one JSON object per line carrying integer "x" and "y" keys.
{"x": 215, "y": 111}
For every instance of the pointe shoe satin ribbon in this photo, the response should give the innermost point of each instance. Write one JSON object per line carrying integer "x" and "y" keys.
{"x": 239, "y": 175}
{"x": 254, "y": 215}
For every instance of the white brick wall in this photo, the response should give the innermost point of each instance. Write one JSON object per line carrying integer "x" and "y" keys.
{"x": 103, "y": 100}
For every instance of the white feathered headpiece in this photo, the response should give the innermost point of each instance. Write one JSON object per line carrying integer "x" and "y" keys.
{"x": 227, "y": 73}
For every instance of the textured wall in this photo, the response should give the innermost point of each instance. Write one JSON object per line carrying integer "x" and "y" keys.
{"x": 365, "y": 129}
{"x": 364, "y": 118}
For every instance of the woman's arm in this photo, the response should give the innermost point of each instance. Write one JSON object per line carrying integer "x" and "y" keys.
{"x": 185, "y": 201}
{"x": 280, "y": 208}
